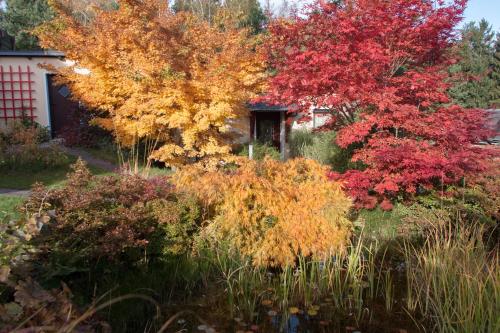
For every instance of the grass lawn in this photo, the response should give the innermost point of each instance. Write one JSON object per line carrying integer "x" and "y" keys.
{"x": 111, "y": 154}
{"x": 379, "y": 224}
{"x": 23, "y": 179}
{"x": 108, "y": 153}
{"x": 8, "y": 206}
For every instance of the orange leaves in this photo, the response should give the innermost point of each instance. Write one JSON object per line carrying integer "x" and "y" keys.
{"x": 158, "y": 75}
{"x": 273, "y": 211}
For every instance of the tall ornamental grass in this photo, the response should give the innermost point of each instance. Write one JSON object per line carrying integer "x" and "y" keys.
{"x": 454, "y": 280}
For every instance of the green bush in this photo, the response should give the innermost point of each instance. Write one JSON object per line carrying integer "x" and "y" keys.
{"x": 178, "y": 218}
{"x": 380, "y": 225}
{"x": 429, "y": 212}
{"x": 320, "y": 146}
{"x": 470, "y": 205}
{"x": 260, "y": 151}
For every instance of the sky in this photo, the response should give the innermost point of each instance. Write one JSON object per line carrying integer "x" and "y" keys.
{"x": 476, "y": 10}
{"x": 488, "y": 9}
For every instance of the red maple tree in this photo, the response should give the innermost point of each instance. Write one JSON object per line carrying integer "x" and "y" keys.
{"x": 380, "y": 67}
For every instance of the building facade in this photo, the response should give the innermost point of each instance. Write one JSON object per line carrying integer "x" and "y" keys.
{"x": 273, "y": 125}
{"x": 27, "y": 90}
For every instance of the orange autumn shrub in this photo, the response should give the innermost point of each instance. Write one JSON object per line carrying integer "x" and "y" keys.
{"x": 272, "y": 211}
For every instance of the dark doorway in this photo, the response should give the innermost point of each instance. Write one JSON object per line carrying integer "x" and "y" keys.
{"x": 62, "y": 109}
{"x": 268, "y": 128}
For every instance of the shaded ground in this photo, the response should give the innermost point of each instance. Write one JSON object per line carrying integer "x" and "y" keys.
{"x": 15, "y": 184}
{"x": 18, "y": 182}
{"x": 91, "y": 159}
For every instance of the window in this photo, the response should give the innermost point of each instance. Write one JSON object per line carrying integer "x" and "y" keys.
{"x": 320, "y": 117}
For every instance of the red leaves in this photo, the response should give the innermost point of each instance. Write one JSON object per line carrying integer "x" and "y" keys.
{"x": 386, "y": 186}
{"x": 386, "y": 205}
{"x": 357, "y": 132}
{"x": 388, "y": 58}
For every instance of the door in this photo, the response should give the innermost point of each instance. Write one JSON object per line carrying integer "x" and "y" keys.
{"x": 268, "y": 128}
{"x": 63, "y": 110}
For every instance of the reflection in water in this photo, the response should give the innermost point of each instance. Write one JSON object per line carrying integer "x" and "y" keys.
{"x": 291, "y": 325}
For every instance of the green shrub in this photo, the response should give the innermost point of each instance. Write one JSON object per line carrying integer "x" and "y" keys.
{"x": 119, "y": 219}
{"x": 379, "y": 224}
{"x": 260, "y": 151}
{"x": 178, "y": 219}
{"x": 320, "y": 146}
{"x": 477, "y": 203}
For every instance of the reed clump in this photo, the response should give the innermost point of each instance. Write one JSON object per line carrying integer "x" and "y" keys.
{"x": 454, "y": 280}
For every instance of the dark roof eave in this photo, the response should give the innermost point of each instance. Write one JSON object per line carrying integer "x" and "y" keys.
{"x": 262, "y": 107}
{"x": 33, "y": 54}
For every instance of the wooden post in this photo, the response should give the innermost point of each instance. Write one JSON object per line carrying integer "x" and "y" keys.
{"x": 282, "y": 136}
{"x": 255, "y": 127}
{"x": 253, "y": 134}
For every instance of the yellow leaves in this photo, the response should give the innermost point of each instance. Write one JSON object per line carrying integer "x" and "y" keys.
{"x": 153, "y": 71}
{"x": 170, "y": 150}
{"x": 272, "y": 211}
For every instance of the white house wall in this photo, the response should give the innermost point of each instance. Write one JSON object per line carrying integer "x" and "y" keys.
{"x": 39, "y": 85}
{"x": 316, "y": 120}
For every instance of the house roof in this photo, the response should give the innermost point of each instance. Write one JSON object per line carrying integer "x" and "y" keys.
{"x": 33, "y": 54}
{"x": 494, "y": 120}
{"x": 259, "y": 107}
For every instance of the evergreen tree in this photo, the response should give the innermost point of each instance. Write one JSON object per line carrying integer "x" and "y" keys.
{"x": 475, "y": 83}
{"x": 19, "y": 17}
{"x": 6, "y": 41}
{"x": 495, "y": 75}
{"x": 202, "y": 8}
{"x": 248, "y": 13}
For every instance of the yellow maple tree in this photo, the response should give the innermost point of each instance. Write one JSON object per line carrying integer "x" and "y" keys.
{"x": 272, "y": 211}
{"x": 170, "y": 78}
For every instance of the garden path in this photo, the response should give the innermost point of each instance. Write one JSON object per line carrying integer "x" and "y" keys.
{"x": 91, "y": 160}
{"x": 14, "y": 193}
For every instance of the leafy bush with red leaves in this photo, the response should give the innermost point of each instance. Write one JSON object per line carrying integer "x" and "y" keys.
{"x": 116, "y": 218}
{"x": 380, "y": 67}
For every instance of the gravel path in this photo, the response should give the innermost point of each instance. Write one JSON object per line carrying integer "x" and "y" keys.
{"x": 14, "y": 193}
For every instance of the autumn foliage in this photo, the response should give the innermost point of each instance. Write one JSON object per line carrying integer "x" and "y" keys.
{"x": 172, "y": 79}
{"x": 112, "y": 218}
{"x": 272, "y": 211}
{"x": 380, "y": 67}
